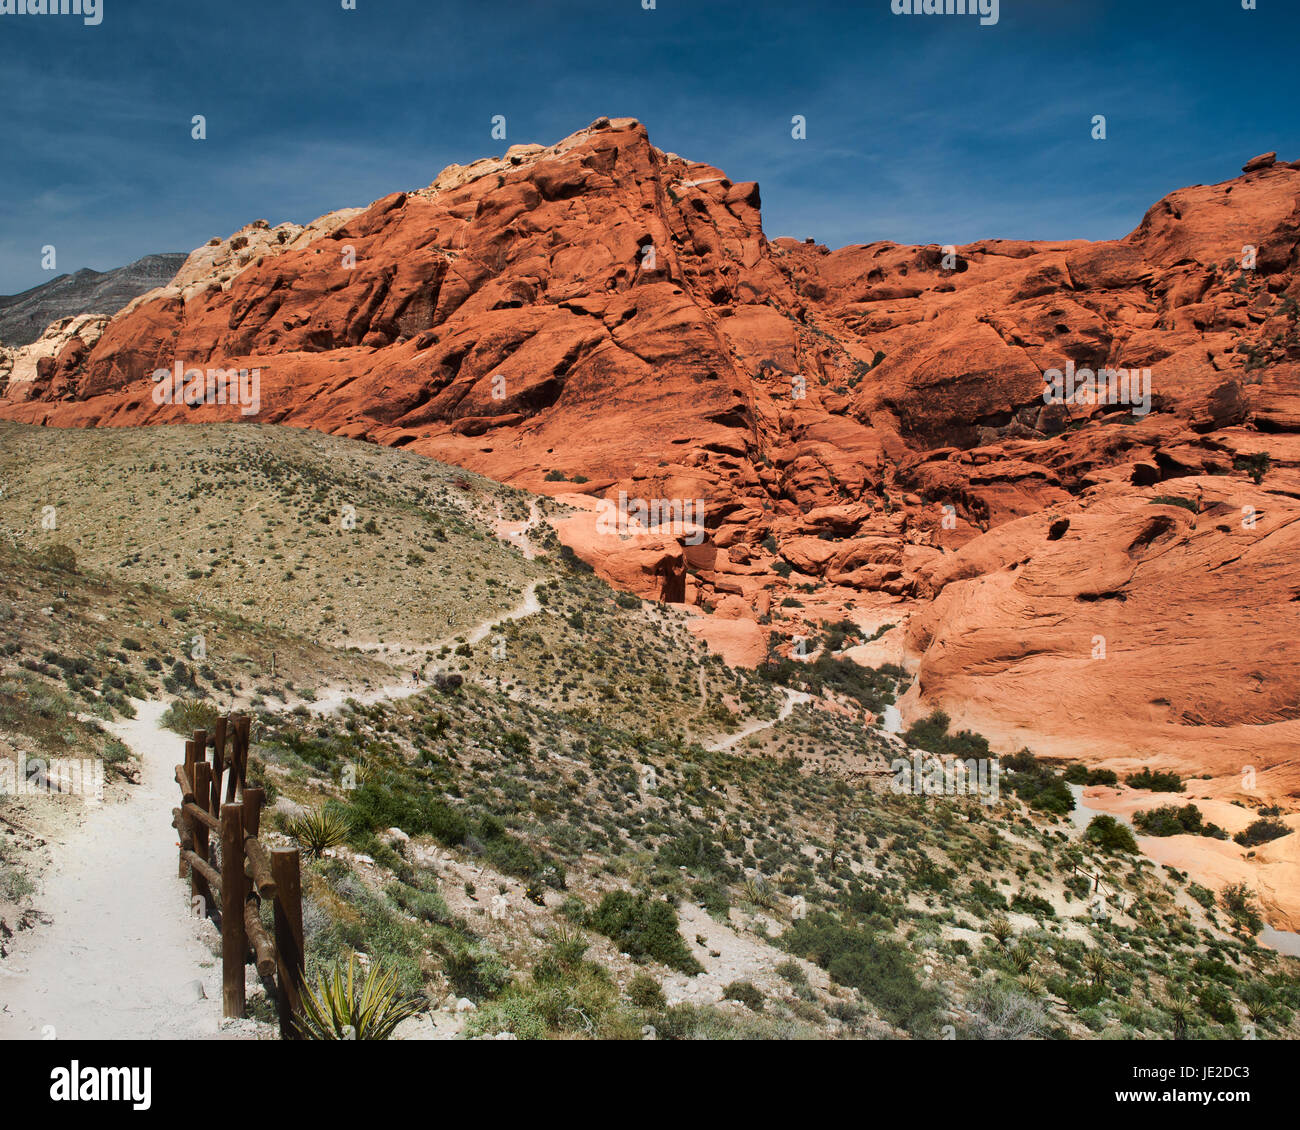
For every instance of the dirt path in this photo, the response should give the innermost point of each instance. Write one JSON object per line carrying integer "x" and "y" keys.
{"x": 792, "y": 699}
{"x": 332, "y": 700}
{"x": 121, "y": 955}
{"x": 517, "y": 532}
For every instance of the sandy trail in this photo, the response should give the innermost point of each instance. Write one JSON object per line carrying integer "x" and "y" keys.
{"x": 121, "y": 955}
{"x": 517, "y": 532}
{"x": 792, "y": 699}
{"x": 332, "y": 700}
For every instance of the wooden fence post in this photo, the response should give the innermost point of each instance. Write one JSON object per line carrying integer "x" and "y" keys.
{"x": 234, "y": 942}
{"x": 199, "y": 886}
{"x": 239, "y": 725}
{"x": 245, "y": 724}
{"x": 181, "y": 822}
{"x": 288, "y": 936}
{"x": 254, "y": 799}
{"x": 218, "y": 762}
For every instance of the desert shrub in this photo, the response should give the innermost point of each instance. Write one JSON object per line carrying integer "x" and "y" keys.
{"x": 1236, "y": 900}
{"x": 14, "y": 884}
{"x": 874, "y": 688}
{"x": 645, "y": 992}
{"x": 1027, "y": 903}
{"x": 511, "y": 856}
{"x": 1156, "y": 782}
{"x": 984, "y": 896}
{"x": 791, "y": 971}
{"x": 1078, "y": 995}
{"x": 185, "y": 715}
{"x": 514, "y": 1013}
{"x": 644, "y": 927}
{"x": 1216, "y": 1004}
{"x": 1000, "y": 1013}
{"x": 428, "y": 906}
{"x": 1261, "y": 832}
{"x": 696, "y": 852}
{"x": 1110, "y": 835}
{"x": 713, "y": 896}
{"x": 414, "y": 809}
{"x": 746, "y": 993}
{"x": 58, "y": 558}
{"x": 473, "y": 970}
{"x": 1174, "y": 500}
{"x": 1256, "y": 466}
{"x": 1170, "y": 820}
{"x": 1079, "y": 774}
{"x": 877, "y": 966}
{"x": 931, "y": 734}
{"x": 1037, "y": 784}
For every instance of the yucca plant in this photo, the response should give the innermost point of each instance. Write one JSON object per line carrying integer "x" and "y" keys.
{"x": 1034, "y": 984}
{"x": 759, "y": 893}
{"x": 318, "y": 830}
{"x": 1000, "y": 928}
{"x": 343, "y": 1010}
{"x": 1182, "y": 1014}
{"x": 1022, "y": 957}
{"x": 1094, "y": 961}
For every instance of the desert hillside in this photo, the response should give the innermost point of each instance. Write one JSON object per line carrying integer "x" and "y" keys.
{"x": 546, "y": 806}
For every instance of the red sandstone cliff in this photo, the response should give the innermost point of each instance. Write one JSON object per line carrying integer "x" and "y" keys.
{"x": 865, "y": 425}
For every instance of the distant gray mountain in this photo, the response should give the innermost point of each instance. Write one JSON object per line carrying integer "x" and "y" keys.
{"x": 23, "y": 317}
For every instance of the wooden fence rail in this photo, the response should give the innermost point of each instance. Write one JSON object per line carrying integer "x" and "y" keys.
{"x": 230, "y": 884}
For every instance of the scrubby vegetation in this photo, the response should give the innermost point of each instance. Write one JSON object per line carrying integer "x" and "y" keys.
{"x": 549, "y": 837}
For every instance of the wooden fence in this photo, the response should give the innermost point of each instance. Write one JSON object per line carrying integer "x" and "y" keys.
{"x": 232, "y": 873}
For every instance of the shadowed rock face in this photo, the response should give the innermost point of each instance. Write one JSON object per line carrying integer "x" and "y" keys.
{"x": 24, "y": 317}
{"x": 600, "y": 317}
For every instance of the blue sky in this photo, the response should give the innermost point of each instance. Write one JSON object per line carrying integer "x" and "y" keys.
{"x": 920, "y": 128}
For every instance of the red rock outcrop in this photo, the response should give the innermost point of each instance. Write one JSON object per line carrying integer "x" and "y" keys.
{"x": 867, "y": 425}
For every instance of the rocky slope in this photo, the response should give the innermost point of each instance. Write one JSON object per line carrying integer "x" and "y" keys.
{"x": 865, "y": 428}
{"x": 24, "y": 317}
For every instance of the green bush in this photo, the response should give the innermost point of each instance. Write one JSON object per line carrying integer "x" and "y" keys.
{"x": 876, "y": 965}
{"x": 645, "y": 992}
{"x": 1110, "y": 835}
{"x": 932, "y": 734}
{"x": 1155, "y": 782}
{"x": 1170, "y": 820}
{"x": 185, "y": 715}
{"x": 1174, "y": 500}
{"x": 374, "y": 805}
{"x": 745, "y": 993}
{"x": 1037, "y": 784}
{"x": 1261, "y": 832}
{"x": 644, "y": 927}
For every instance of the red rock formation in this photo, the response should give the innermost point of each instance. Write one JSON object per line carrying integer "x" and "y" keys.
{"x": 869, "y": 422}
